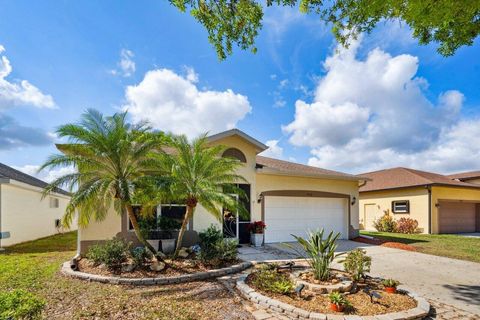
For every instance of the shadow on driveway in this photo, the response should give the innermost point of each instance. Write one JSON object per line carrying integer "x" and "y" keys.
{"x": 465, "y": 293}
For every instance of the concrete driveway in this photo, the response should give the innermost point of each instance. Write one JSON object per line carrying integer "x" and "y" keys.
{"x": 450, "y": 281}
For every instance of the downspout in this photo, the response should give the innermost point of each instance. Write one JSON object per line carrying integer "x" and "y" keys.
{"x": 429, "y": 188}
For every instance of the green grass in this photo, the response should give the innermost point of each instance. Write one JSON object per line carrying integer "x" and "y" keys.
{"x": 34, "y": 266}
{"x": 445, "y": 245}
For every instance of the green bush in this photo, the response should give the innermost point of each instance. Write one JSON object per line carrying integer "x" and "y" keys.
{"x": 385, "y": 223}
{"x": 269, "y": 279}
{"x": 357, "y": 263}
{"x": 214, "y": 249}
{"x": 140, "y": 255}
{"x": 319, "y": 252}
{"x": 20, "y": 304}
{"x": 406, "y": 225}
{"x": 112, "y": 253}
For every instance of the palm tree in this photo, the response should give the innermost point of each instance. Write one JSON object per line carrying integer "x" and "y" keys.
{"x": 197, "y": 174}
{"x": 111, "y": 157}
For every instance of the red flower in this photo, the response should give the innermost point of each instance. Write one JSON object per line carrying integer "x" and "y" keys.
{"x": 256, "y": 227}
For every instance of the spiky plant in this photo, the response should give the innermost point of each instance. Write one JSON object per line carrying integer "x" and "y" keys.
{"x": 110, "y": 157}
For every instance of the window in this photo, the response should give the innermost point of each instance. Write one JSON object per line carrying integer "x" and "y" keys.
{"x": 54, "y": 202}
{"x": 172, "y": 211}
{"x": 58, "y": 223}
{"x": 401, "y": 206}
{"x": 235, "y": 153}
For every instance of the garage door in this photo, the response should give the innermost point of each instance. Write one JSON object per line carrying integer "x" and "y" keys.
{"x": 456, "y": 217}
{"x": 285, "y": 216}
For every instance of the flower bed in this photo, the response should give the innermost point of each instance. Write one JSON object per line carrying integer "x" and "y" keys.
{"x": 338, "y": 282}
{"x": 402, "y": 305}
{"x": 159, "y": 279}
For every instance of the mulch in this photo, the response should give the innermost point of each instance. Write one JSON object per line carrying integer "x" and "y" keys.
{"x": 384, "y": 243}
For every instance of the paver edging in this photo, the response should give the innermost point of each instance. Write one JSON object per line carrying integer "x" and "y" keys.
{"x": 419, "y": 312}
{"x": 198, "y": 276}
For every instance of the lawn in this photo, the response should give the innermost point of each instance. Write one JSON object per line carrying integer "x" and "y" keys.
{"x": 34, "y": 266}
{"x": 445, "y": 245}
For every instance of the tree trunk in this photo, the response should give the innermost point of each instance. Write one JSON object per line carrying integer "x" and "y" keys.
{"x": 187, "y": 217}
{"x": 131, "y": 215}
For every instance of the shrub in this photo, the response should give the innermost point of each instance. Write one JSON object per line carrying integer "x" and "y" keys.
{"x": 256, "y": 227}
{"x": 140, "y": 255}
{"x": 385, "y": 223}
{"x": 407, "y": 225}
{"x": 269, "y": 279}
{"x": 390, "y": 283}
{"x": 20, "y": 304}
{"x": 320, "y": 252}
{"x": 112, "y": 253}
{"x": 357, "y": 263}
{"x": 214, "y": 249}
{"x": 338, "y": 299}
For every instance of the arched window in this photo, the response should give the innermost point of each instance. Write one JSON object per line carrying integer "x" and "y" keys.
{"x": 235, "y": 153}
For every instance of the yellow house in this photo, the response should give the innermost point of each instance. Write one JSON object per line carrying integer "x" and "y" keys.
{"x": 290, "y": 198}
{"x": 24, "y": 214}
{"x": 439, "y": 203}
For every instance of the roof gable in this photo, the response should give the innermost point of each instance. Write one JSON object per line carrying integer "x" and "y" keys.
{"x": 236, "y": 132}
{"x": 462, "y": 176}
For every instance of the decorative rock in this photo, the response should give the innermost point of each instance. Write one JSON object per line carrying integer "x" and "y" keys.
{"x": 318, "y": 316}
{"x": 183, "y": 253}
{"x": 157, "y": 266}
{"x": 128, "y": 267}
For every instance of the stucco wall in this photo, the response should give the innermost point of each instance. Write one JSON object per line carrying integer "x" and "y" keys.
{"x": 382, "y": 200}
{"x": 102, "y": 230}
{"x": 26, "y": 216}
{"x": 450, "y": 193}
{"x": 268, "y": 182}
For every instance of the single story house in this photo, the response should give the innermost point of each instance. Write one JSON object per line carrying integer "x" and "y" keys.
{"x": 470, "y": 177}
{"x": 439, "y": 203}
{"x": 290, "y": 198}
{"x": 24, "y": 215}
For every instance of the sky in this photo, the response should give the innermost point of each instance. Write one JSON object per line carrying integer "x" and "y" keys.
{"x": 383, "y": 102}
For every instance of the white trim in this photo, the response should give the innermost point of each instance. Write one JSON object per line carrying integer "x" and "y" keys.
{"x": 27, "y": 186}
{"x": 233, "y": 132}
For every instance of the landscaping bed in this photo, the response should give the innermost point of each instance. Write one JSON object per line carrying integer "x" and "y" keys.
{"x": 386, "y": 243}
{"x": 361, "y": 302}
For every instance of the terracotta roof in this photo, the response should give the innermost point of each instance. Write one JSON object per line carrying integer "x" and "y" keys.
{"x": 292, "y": 168}
{"x": 7, "y": 172}
{"x": 404, "y": 177}
{"x": 462, "y": 176}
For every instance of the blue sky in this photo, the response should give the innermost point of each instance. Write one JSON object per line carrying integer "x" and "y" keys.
{"x": 384, "y": 102}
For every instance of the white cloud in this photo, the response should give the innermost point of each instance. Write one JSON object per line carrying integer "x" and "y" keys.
{"x": 191, "y": 75}
{"x": 19, "y": 92}
{"x": 374, "y": 113}
{"x": 274, "y": 150}
{"x": 126, "y": 65}
{"x": 45, "y": 175}
{"x": 173, "y": 103}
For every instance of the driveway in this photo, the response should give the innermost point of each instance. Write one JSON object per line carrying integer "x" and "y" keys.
{"x": 450, "y": 281}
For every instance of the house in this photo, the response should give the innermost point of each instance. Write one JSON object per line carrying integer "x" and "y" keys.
{"x": 24, "y": 215}
{"x": 439, "y": 203}
{"x": 290, "y": 198}
{"x": 470, "y": 177}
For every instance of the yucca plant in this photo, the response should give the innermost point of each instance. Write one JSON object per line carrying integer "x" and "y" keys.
{"x": 319, "y": 252}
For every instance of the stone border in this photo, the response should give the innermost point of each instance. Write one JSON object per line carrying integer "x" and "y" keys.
{"x": 199, "y": 276}
{"x": 343, "y": 286}
{"x": 419, "y": 312}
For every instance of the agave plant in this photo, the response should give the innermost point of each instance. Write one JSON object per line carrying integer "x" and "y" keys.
{"x": 319, "y": 252}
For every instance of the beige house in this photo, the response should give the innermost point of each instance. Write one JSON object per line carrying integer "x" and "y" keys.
{"x": 290, "y": 198}
{"x": 440, "y": 204}
{"x": 24, "y": 215}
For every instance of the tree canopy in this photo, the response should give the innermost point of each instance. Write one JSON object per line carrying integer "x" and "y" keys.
{"x": 449, "y": 23}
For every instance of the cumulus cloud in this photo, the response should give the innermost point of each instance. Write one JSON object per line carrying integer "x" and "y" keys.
{"x": 171, "y": 102}
{"x": 19, "y": 92}
{"x": 274, "y": 150}
{"x": 126, "y": 65}
{"x": 373, "y": 113}
{"x": 45, "y": 175}
{"x": 14, "y": 135}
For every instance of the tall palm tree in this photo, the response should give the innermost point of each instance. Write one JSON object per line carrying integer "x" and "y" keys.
{"x": 197, "y": 174}
{"x": 111, "y": 156}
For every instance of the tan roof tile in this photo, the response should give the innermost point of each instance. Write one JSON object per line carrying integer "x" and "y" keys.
{"x": 465, "y": 175}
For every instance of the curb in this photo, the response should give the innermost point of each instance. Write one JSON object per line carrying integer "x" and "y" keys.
{"x": 199, "y": 276}
{"x": 419, "y": 312}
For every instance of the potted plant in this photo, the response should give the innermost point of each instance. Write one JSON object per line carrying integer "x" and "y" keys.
{"x": 338, "y": 302}
{"x": 390, "y": 285}
{"x": 168, "y": 226}
{"x": 256, "y": 228}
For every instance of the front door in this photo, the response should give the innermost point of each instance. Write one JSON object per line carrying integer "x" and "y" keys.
{"x": 235, "y": 226}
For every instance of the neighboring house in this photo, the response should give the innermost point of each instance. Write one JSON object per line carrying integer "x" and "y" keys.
{"x": 439, "y": 203}
{"x": 290, "y": 198}
{"x": 24, "y": 215}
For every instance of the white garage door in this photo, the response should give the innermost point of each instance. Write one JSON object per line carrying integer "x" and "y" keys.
{"x": 285, "y": 216}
